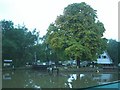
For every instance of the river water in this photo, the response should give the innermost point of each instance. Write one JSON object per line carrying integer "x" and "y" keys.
{"x": 37, "y": 79}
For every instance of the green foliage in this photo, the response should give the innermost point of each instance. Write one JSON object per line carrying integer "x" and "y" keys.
{"x": 77, "y": 32}
{"x": 18, "y": 43}
{"x": 113, "y": 49}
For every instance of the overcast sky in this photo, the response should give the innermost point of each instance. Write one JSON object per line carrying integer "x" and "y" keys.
{"x": 40, "y": 13}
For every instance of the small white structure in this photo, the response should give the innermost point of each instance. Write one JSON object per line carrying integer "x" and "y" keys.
{"x": 104, "y": 59}
{"x": 7, "y": 63}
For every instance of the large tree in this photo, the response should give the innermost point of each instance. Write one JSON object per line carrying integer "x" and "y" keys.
{"x": 18, "y": 43}
{"x": 78, "y": 32}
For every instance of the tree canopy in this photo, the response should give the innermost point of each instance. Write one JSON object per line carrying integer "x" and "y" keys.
{"x": 22, "y": 45}
{"x": 113, "y": 48}
{"x": 18, "y": 43}
{"x": 77, "y": 32}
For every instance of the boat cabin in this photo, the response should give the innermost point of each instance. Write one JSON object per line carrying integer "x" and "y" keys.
{"x": 104, "y": 59}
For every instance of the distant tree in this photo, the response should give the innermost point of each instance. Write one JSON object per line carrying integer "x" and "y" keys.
{"x": 17, "y": 43}
{"x": 113, "y": 49}
{"x": 78, "y": 33}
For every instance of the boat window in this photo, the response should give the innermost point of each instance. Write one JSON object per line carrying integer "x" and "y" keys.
{"x": 104, "y": 56}
{"x": 99, "y": 57}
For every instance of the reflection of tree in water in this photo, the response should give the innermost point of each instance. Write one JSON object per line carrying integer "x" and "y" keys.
{"x": 44, "y": 80}
{"x": 83, "y": 81}
{"x": 106, "y": 78}
{"x": 115, "y": 76}
{"x": 6, "y": 77}
{"x": 58, "y": 81}
{"x": 37, "y": 79}
{"x": 71, "y": 77}
{"x": 17, "y": 79}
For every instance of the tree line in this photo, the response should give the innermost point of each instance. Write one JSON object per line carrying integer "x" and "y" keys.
{"x": 18, "y": 44}
{"x": 23, "y": 45}
{"x": 76, "y": 34}
{"x": 113, "y": 49}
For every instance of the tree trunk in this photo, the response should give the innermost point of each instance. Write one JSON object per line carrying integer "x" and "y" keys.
{"x": 78, "y": 63}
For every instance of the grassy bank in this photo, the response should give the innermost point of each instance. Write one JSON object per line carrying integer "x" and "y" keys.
{"x": 87, "y": 69}
{"x": 68, "y": 69}
{"x": 17, "y": 68}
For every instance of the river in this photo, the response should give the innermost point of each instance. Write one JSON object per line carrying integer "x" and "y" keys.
{"x": 37, "y": 79}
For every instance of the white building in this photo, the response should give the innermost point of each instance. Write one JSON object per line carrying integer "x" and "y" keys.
{"x": 104, "y": 59}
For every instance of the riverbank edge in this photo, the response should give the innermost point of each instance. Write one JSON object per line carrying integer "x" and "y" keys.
{"x": 68, "y": 70}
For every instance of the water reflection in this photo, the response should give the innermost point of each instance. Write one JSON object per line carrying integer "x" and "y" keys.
{"x": 71, "y": 78}
{"x": 37, "y": 79}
